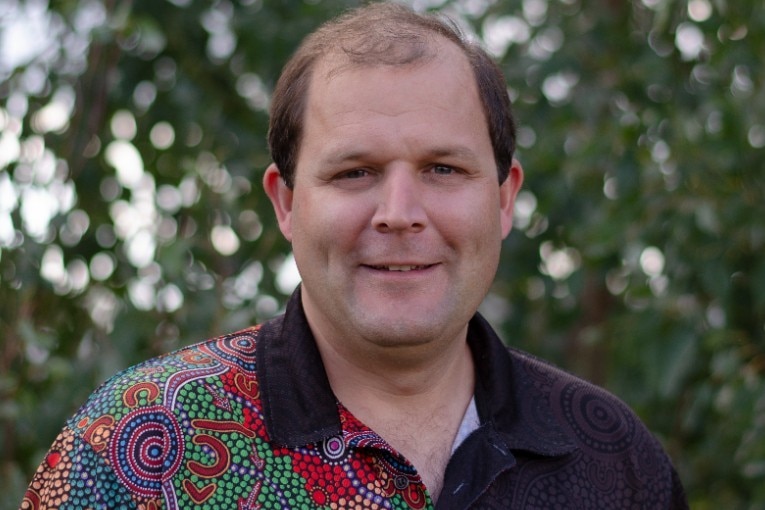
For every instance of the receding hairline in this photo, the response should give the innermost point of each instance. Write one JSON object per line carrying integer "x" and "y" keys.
{"x": 428, "y": 49}
{"x": 369, "y": 32}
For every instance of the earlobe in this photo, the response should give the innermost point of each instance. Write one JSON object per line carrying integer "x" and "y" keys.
{"x": 281, "y": 198}
{"x": 508, "y": 191}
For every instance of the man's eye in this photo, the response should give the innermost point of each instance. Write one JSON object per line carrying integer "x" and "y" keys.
{"x": 354, "y": 174}
{"x": 443, "y": 170}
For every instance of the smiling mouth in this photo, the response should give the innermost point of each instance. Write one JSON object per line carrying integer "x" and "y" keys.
{"x": 400, "y": 268}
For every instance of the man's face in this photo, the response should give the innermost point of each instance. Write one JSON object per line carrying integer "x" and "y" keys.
{"x": 396, "y": 217}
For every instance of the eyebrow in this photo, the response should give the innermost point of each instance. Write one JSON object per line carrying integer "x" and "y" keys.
{"x": 459, "y": 151}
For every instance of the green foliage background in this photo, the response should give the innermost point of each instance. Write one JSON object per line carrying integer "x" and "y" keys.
{"x": 132, "y": 220}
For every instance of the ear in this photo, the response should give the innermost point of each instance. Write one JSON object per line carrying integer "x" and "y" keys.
{"x": 508, "y": 190}
{"x": 281, "y": 198}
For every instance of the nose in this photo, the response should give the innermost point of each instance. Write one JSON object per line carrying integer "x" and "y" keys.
{"x": 400, "y": 206}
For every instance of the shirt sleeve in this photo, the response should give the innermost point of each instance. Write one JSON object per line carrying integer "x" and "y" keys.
{"x": 679, "y": 498}
{"x": 74, "y": 476}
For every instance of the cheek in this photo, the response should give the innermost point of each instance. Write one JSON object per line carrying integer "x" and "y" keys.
{"x": 476, "y": 225}
{"x": 325, "y": 224}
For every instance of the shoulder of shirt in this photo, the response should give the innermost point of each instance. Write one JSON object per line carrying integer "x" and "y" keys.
{"x": 608, "y": 434}
{"x": 145, "y": 384}
{"x": 546, "y": 375}
{"x": 577, "y": 403}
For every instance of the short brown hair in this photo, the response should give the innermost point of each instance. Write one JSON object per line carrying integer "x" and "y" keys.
{"x": 382, "y": 34}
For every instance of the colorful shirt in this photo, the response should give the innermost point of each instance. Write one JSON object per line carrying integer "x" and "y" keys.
{"x": 249, "y": 421}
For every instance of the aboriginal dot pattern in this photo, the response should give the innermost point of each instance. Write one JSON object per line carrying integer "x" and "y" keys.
{"x": 189, "y": 426}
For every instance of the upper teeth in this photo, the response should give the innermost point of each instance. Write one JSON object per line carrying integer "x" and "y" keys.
{"x": 401, "y": 268}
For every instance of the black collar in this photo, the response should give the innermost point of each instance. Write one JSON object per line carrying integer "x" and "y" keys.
{"x": 298, "y": 403}
{"x": 508, "y": 400}
{"x": 300, "y": 407}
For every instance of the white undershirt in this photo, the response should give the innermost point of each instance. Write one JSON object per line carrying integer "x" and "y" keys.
{"x": 470, "y": 422}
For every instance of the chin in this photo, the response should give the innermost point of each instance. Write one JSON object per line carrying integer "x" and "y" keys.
{"x": 396, "y": 333}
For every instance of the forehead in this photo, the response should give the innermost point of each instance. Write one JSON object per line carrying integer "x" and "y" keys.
{"x": 423, "y": 107}
{"x": 348, "y": 83}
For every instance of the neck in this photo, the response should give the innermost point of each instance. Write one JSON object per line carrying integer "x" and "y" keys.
{"x": 412, "y": 391}
{"x": 415, "y": 403}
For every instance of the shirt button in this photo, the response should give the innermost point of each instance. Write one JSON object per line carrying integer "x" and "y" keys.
{"x": 401, "y": 482}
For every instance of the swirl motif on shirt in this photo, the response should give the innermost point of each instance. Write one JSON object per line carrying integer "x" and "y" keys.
{"x": 146, "y": 448}
{"x": 600, "y": 425}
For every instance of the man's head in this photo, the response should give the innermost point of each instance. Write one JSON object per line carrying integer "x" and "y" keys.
{"x": 382, "y": 34}
{"x": 393, "y": 210}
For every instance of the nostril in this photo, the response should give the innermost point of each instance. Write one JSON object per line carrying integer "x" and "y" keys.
{"x": 399, "y": 226}
{"x": 409, "y": 216}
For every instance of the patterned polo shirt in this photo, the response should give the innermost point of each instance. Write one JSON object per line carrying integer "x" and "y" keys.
{"x": 249, "y": 421}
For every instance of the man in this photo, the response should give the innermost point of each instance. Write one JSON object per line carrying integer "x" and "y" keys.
{"x": 380, "y": 387}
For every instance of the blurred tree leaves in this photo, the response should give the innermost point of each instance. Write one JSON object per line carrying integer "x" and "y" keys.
{"x": 132, "y": 220}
